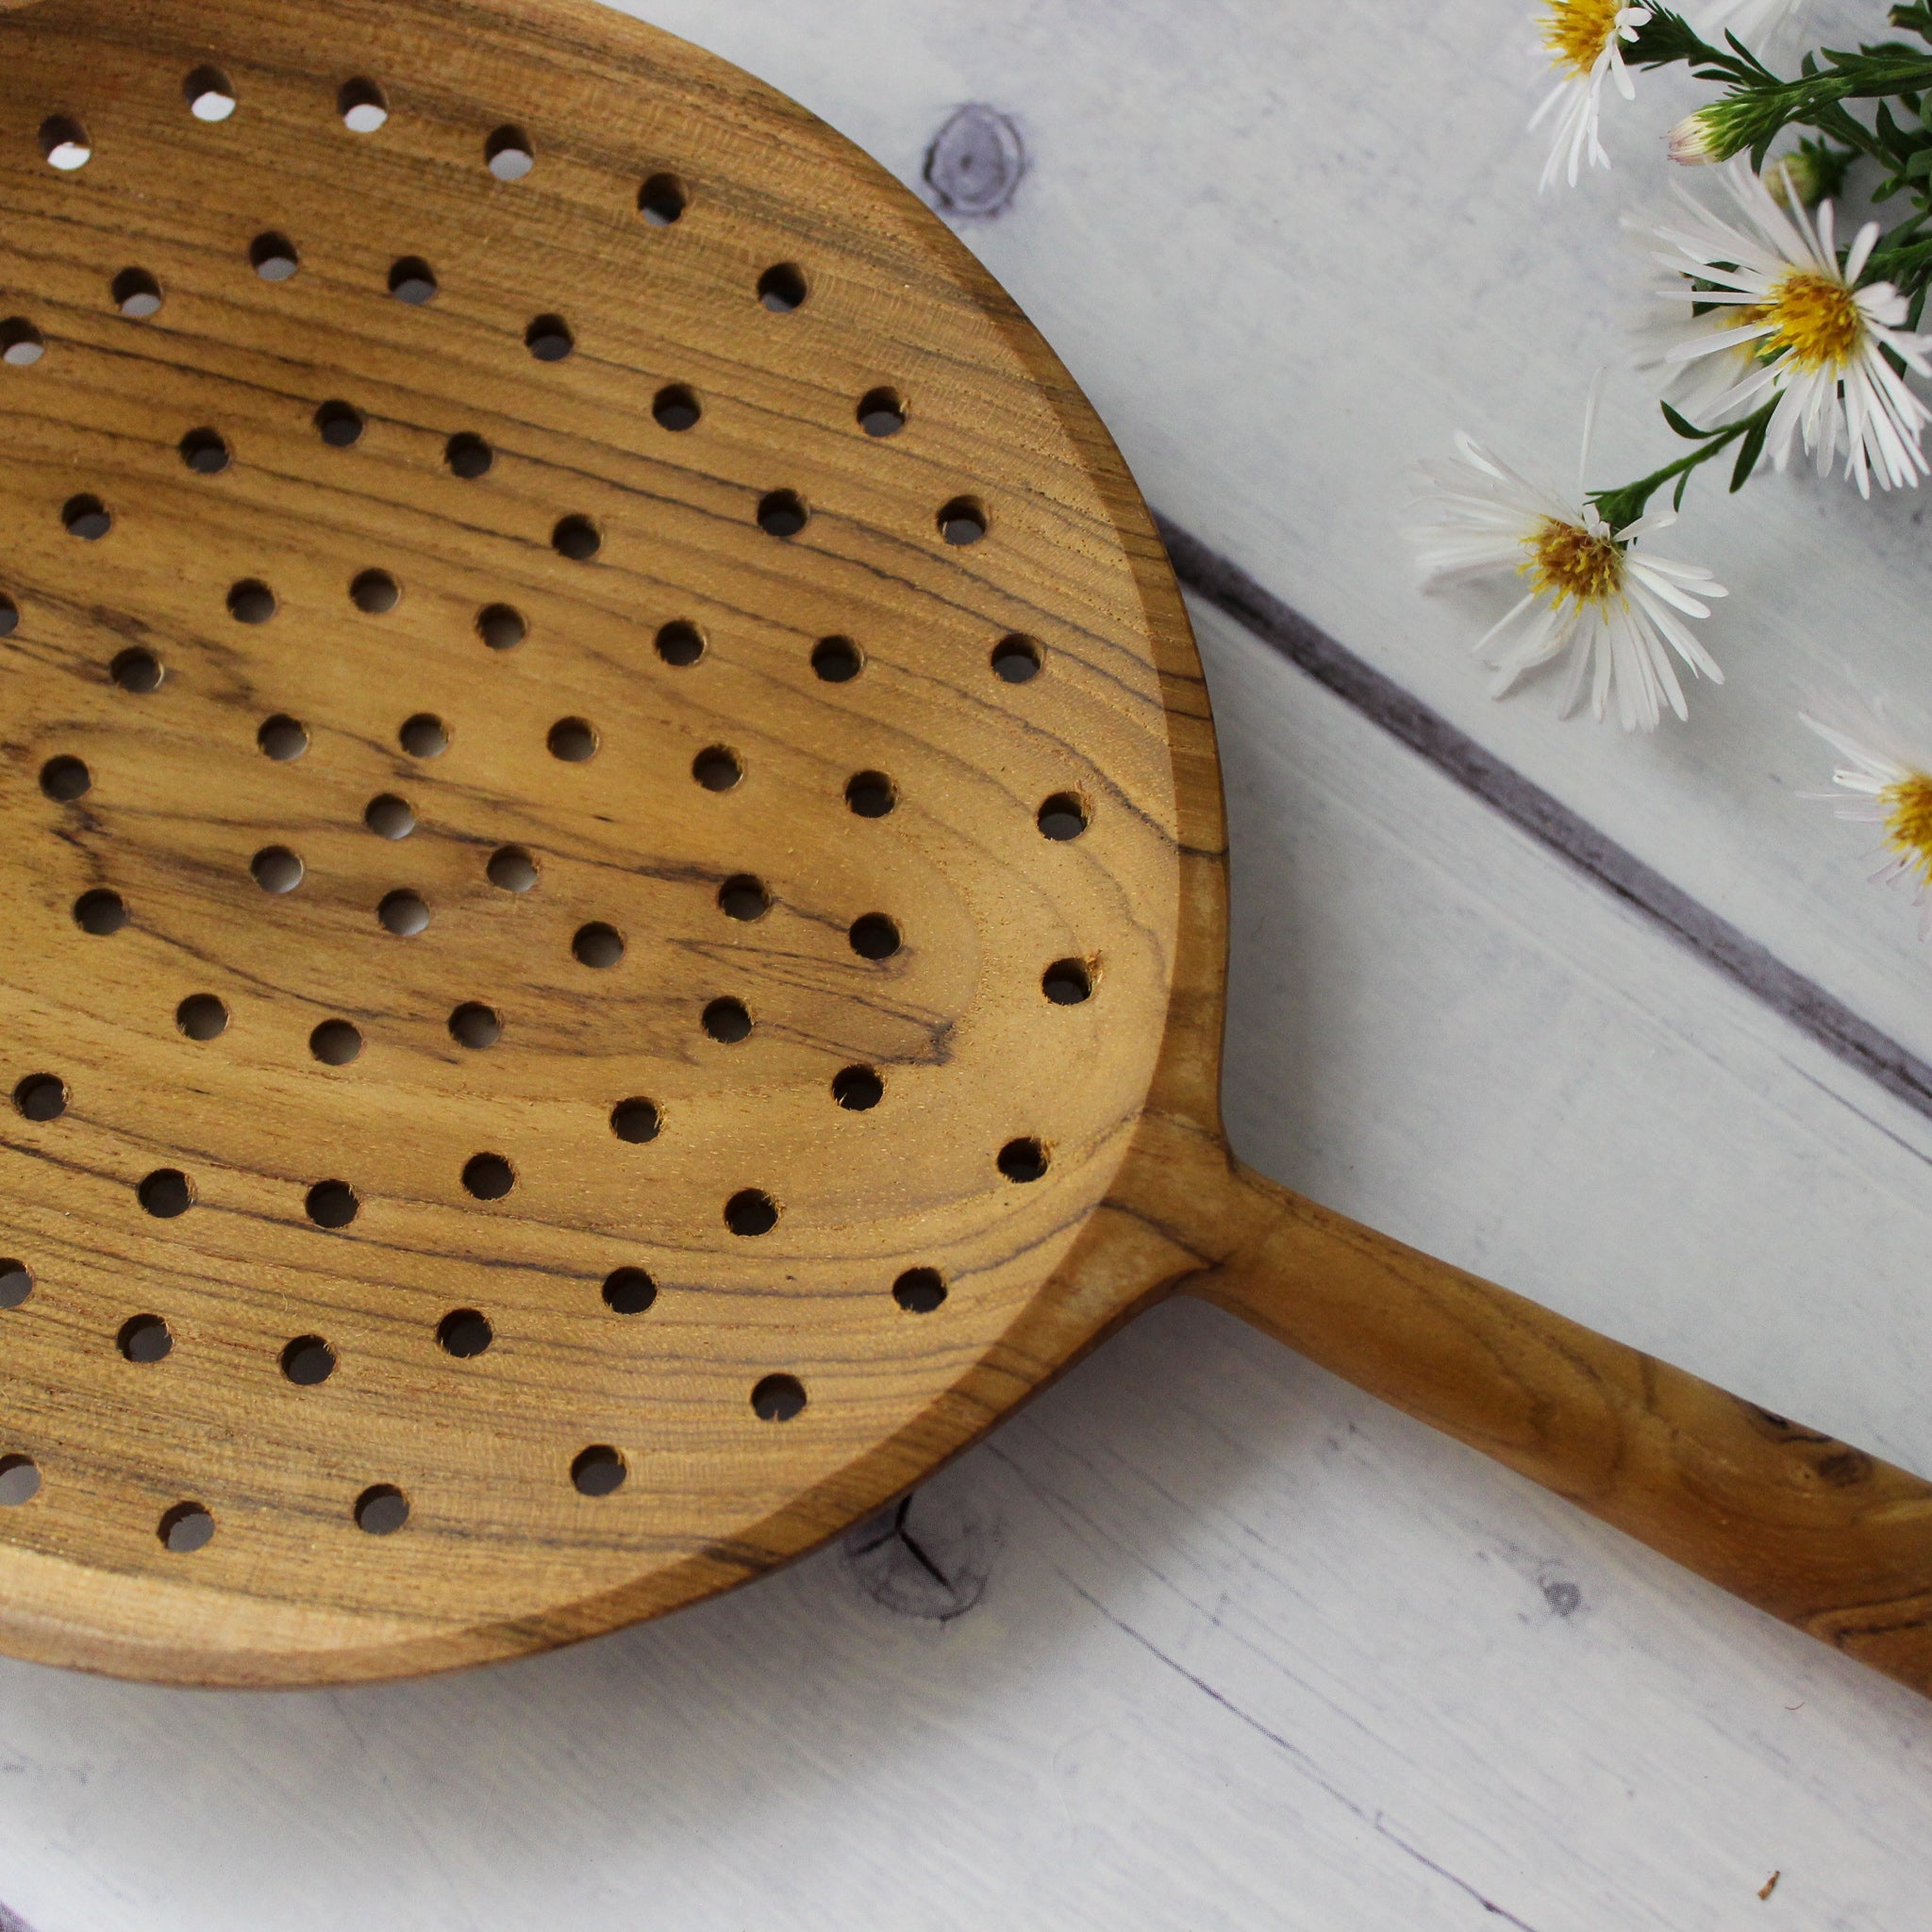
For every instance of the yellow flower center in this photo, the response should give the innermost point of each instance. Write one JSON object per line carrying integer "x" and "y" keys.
{"x": 1908, "y": 822}
{"x": 1568, "y": 561}
{"x": 1817, "y": 319}
{"x": 1578, "y": 31}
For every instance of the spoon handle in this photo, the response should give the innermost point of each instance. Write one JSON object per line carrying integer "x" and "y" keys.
{"x": 1814, "y": 1531}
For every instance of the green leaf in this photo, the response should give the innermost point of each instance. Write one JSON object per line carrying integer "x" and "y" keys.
{"x": 1683, "y": 426}
{"x": 1892, "y": 138}
{"x": 1752, "y": 449}
{"x": 1915, "y": 18}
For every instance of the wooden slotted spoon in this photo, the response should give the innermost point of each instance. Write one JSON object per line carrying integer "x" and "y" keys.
{"x": 615, "y": 879}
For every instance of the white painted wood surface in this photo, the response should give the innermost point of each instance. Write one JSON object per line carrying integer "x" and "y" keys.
{"x": 1248, "y": 1651}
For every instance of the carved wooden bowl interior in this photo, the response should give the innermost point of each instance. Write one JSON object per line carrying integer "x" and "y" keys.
{"x": 589, "y": 834}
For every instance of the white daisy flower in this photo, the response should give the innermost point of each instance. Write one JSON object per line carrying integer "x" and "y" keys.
{"x": 1584, "y": 39}
{"x": 1751, "y": 20}
{"x": 1818, "y": 340}
{"x": 1617, "y": 612}
{"x": 1882, "y": 782}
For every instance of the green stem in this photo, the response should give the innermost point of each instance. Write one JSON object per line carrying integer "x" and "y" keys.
{"x": 1752, "y": 113}
{"x": 1621, "y": 506}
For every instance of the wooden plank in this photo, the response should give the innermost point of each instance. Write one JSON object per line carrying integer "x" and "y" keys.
{"x": 1250, "y": 1651}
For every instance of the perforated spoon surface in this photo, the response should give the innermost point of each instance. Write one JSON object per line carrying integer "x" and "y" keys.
{"x": 588, "y": 832}
{"x": 614, "y": 878}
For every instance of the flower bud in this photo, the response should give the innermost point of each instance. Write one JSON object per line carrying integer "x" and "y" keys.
{"x": 1698, "y": 138}
{"x": 1795, "y": 180}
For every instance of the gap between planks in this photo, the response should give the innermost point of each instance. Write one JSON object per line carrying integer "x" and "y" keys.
{"x": 1799, "y": 1000}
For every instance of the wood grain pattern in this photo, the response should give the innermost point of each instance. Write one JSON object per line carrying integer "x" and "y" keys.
{"x": 501, "y": 1554}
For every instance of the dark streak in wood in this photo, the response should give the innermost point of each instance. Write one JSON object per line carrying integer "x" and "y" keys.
{"x": 1742, "y": 959}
